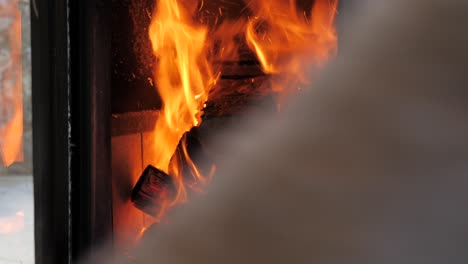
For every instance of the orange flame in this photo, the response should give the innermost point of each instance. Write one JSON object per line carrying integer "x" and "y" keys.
{"x": 183, "y": 76}
{"x": 11, "y": 101}
{"x": 284, "y": 39}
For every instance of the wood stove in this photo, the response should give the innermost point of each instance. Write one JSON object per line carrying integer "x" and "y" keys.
{"x": 95, "y": 107}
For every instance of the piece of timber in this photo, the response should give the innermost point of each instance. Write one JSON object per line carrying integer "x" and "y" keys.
{"x": 152, "y": 190}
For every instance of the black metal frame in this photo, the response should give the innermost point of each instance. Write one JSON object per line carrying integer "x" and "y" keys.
{"x": 71, "y": 127}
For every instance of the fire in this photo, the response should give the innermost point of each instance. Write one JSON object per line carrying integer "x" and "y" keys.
{"x": 11, "y": 104}
{"x": 184, "y": 78}
{"x": 285, "y": 40}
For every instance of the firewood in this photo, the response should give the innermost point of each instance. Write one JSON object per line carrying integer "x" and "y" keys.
{"x": 156, "y": 187}
{"x": 152, "y": 190}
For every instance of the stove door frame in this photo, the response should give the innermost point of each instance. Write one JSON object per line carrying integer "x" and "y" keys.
{"x": 71, "y": 127}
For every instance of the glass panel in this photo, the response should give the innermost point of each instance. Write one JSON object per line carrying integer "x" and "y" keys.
{"x": 16, "y": 185}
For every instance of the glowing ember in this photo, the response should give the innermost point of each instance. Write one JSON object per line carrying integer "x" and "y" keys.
{"x": 11, "y": 106}
{"x": 285, "y": 40}
{"x": 12, "y": 224}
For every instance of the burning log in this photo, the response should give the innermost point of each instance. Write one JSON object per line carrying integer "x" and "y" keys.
{"x": 192, "y": 153}
{"x": 153, "y": 190}
{"x": 228, "y": 102}
{"x": 156, "y": 188}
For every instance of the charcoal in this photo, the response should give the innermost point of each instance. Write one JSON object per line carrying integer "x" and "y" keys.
{"x": 152, "y": 190}
{"x": 197, "y": 153}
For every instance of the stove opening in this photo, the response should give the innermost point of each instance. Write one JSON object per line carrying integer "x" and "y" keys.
{"x": 183, "y": 70}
